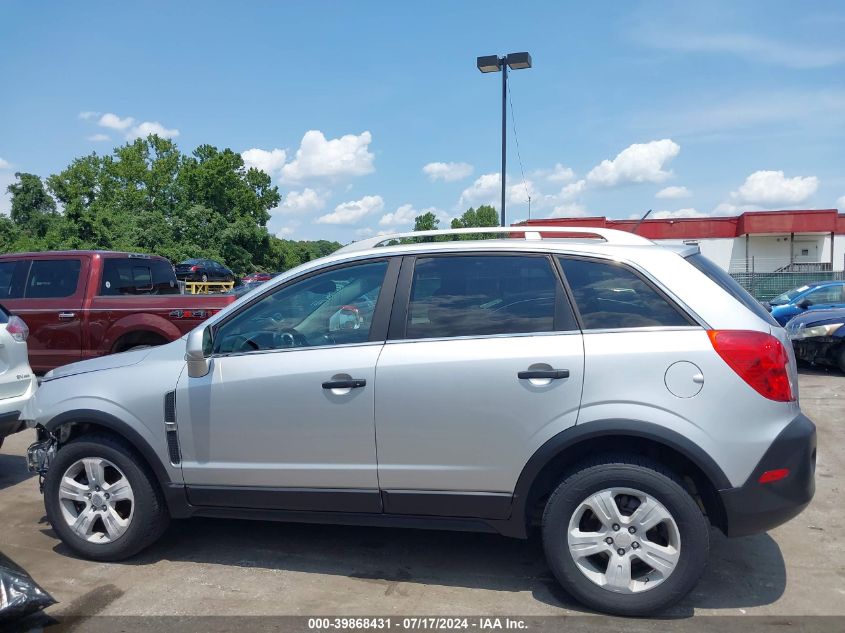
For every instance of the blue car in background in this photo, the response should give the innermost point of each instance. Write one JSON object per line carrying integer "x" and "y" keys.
{"x": 814, "y": 296}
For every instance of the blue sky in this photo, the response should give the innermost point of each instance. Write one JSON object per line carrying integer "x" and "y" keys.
{"x": 685, "y": 108}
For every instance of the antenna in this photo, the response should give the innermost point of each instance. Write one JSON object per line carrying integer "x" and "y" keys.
{"x": 640, "y": 221}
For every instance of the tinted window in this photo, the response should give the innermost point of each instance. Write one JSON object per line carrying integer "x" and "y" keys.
{"x": 133, "y": 276}
{"x": 482, "y": 295}
{"x": 335, "y": 307}
{"x": 610, "y": 296}
{"x": 826, "y": 294}
{"x": 7, "y": 273}
{"x": 730, "y": 285}
{"x": 49, "y": 278}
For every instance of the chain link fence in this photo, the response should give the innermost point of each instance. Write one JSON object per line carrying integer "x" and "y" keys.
{"x": 765, "y": 286}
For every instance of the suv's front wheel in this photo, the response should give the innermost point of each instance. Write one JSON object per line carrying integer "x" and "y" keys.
{"x": 101, "y": 501}
{"x": 623, "y": 536}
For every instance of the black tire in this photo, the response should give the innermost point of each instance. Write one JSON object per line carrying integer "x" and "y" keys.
{"x": 840, "y": 359}
{"x": 636, "y": 472}
{"x": 149, "y": 519}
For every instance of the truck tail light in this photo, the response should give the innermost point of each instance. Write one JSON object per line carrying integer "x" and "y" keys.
{"x": 758, "y": 358}
{"x": 17, "y": 328}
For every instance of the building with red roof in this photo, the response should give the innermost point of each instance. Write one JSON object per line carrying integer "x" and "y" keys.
{"x": 754, "y": 241}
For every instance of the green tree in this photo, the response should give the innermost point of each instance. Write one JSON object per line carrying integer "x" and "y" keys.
{"x": 33, "y": 209}
{"x": 426, "y": 222}
{"x": 485, "y": 215}
{"x": 147, "y": 196}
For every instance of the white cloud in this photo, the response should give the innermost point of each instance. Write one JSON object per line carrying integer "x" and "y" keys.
{"x": 318, "y": 157}
{"x": 146, "y": 128}
{"x": 270, "y": 162}
{"x": 560, "y": 173}
{"x": 6, "y": 179}
{"x": 406, "y": 214}
{"x": 447, "y": 172}
{"x": 726, "y": 208}
{"x": 569, "y": 210}
{"x": 285, "y": 232}
{"x": 305, "y": 201}
{"x": 353, "y": 211}
{"x": 114, "y": 122}
{"x": 88, "y": 114}
{"x": 752, "y": 47}
{"x": 673, "y": 193}
{"x": 773, "y": 188}
{"x": 485, "y": 190}
{"x": 4, "y": 164}
{"x": 364, "y": 232}
{"x": 98, "y": 138}
{"x": 688, "y": 212}
{"x": 573, "y": 189}
{"x": 840, "y": 204}
{"x": 640, "y": 162}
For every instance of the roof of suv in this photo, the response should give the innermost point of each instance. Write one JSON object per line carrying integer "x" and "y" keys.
{"x": 535, "y": 238}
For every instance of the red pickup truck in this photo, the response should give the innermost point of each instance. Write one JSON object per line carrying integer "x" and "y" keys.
{"x": 82, "y": 304}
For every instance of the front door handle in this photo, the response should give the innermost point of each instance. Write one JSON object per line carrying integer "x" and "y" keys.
{"x": 351, "y": 383}
{"x": 67, "y": 315}
{"x": 552, "y": 374}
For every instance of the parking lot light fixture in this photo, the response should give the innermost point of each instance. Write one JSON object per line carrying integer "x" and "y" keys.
{"x": 492, "y": 64}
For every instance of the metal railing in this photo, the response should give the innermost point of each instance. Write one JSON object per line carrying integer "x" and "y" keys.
{"x": 765, "y": 286}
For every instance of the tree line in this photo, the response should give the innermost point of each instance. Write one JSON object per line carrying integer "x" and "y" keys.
{"x": 149, "y": 197}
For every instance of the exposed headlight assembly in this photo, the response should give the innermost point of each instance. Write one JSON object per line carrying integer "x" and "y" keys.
{"x": 815, "y": 330}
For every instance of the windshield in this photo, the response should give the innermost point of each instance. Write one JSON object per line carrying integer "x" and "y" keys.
{"x": 788, "y": 296}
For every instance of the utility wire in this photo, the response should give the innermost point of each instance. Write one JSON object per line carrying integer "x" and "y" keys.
{"x": 518, "y": 155}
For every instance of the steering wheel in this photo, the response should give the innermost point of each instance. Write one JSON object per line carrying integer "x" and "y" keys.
{"x": 289, "y": 337}
{"x": 244, "y": 343}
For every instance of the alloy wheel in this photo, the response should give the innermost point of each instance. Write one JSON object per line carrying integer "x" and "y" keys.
{"x": 96, "y": 500}
{"x": 624, "y": 540}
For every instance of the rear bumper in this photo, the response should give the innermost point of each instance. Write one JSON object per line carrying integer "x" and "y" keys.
{"x": 755, "y": 507}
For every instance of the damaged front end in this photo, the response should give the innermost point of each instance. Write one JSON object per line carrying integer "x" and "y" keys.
{"x": 40, "y": 455}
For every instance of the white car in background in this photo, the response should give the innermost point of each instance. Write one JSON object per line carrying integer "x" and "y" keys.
{"x": 17, "y": 382}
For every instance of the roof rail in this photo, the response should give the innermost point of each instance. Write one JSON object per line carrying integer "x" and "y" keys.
{"x": 611, "y": 236}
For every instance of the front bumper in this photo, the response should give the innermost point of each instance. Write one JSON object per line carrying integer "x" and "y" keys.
{"x": 821, "y": 350}
{"x": 754, "y": 507}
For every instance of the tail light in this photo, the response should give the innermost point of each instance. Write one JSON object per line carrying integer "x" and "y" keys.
{"x": 194, "y": 269}
{"x": 758, "y": 358}
{"x": 17, "y": 328}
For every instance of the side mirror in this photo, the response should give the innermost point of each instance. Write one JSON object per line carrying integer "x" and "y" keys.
{"x": 197, "y": 350}
{"x": 804, "y": 304}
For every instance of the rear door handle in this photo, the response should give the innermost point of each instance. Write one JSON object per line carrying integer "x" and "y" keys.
{"x": 553, "y": 374}
{"x": 67, "y": 315}
{"x": 352, "y": 383}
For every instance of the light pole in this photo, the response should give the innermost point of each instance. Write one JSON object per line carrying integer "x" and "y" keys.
{"x": 494, "y": 64}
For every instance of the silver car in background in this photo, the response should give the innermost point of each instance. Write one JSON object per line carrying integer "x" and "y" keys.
{"x": 619, "y": 396}
{"x": 17, "y": 382}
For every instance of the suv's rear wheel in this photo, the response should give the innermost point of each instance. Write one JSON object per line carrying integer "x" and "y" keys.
{"x": 101, "y": 501}
{"x": 623, "y": 536}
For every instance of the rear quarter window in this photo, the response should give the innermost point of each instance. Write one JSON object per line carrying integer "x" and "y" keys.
{"x": 730, "y": 285}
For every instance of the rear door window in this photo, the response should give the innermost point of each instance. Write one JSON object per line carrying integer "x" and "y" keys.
{"x": 611, "y": 296}
{"x": 485, "y": 295}
{"x": 52, "y": 278}
{"x": 133, "y": 276}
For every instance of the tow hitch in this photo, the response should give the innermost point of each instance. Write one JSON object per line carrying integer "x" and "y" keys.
{"x": 39, "y": 456}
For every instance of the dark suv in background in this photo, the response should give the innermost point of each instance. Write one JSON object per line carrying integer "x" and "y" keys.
{"x": 203, "y": 270}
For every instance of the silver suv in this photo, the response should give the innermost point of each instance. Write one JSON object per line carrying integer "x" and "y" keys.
{"x": 620, "y": 396}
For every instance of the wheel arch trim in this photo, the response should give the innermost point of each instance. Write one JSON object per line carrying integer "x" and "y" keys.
{"x": 577, "y": 434}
